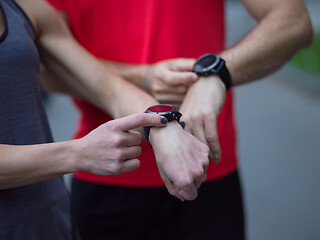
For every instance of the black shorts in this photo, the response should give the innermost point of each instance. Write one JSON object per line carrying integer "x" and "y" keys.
{"x": 105, "y": 212}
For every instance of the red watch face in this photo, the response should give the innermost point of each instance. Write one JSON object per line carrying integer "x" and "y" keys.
{"x": 161, "y": 108}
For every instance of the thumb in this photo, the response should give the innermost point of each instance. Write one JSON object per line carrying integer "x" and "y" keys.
{"x": 140, "y": 120}
{"x": 182, "y": 64}
{"x": 213, "y": 141}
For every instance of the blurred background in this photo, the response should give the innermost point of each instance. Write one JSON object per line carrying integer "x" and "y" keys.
{"x": 278, "y": 122}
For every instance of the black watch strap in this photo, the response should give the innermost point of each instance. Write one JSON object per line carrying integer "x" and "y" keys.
{"x": 225, "y": 75}
{"x": 165, "y": 110}
{"x": 213, "y": 64}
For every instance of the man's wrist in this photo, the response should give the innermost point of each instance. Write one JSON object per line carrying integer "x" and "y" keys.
{"x": 146, "y": 77}
{"x": 212, "y": 64}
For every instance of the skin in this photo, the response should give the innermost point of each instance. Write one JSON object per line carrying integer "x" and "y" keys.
{"x": 77, "y": 72}
{"x": 280, "y": 25}
{"x": 283, "y": 28}
{"x": 111, "y": 148}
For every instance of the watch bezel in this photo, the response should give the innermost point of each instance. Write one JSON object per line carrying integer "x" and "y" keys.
{"x": 169, "y": 115}
{"x": 212, "y": 68}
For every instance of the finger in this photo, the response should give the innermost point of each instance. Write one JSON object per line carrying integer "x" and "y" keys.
{"x": 188, "y": 192}
{"x": 139, "y": 120}
{"x": 133, "y": 138}
{"x": 182, "y": 64}
{"x": 200, "y": 180}
{"x": 171, "y": 188}
{"x": 182, "y": 78}
{"x": 178, "y": 89}
{"x": 130, "y": 165}
{"x": 169, "y": 97}
{"x": 212, "y": 137}
{"x": 131, "y": 152}
{"x": 198, "y": 131}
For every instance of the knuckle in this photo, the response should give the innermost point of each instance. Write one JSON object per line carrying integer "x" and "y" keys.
{"x": 198, "y": 172}
{"x": 211, "y": 137}
{"x": 119, "y": 140}
{"x": 118, "y": 156}
{"x": 205, "y": 162}
{"x": 203, "y": 148}
{"x": 207, "y": 113}
{"x": 168, "y": 78}
{"x": 109, "y": 126}
{"x": 184, "y": 182}
{"x": 116, "y": 168}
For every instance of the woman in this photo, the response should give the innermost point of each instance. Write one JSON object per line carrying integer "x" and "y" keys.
{"x": 34, "y": 203}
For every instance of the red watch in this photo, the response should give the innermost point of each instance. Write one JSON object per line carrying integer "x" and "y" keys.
{"x": 166, "y": 110}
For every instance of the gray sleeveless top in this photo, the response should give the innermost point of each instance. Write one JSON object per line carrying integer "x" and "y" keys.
{"x": 37, "y": 211}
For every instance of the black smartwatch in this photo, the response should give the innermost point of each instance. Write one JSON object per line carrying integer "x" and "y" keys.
{"x": 212, "y": 64}
{"x": 166, "y": 110}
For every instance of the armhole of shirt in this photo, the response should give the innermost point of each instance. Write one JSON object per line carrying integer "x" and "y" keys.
{"x": 5, "y": 22}
{"x": 26, "y": 17}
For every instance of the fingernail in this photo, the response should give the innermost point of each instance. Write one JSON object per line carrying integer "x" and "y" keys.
{"x": 164, "y": 120}
{"x": 183, "y": 124}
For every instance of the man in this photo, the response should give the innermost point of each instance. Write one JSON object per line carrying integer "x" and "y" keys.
{"x": 147, "y": 33}
{"x": 34, "y": 203}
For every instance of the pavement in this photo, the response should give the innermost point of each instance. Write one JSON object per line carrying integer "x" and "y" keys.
{"x": 278, "y": 143}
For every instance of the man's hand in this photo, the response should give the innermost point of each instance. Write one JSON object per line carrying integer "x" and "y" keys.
{"x": 169, "y": 80}
{"x": 113, "y": 147}
{"x": 200, "y": 110}
{"x": 181, "y": 158}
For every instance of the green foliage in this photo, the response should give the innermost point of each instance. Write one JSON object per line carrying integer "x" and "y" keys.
{"x": 308, "y": 59}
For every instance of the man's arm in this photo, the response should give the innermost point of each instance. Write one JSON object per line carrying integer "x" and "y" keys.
{"x": 88, "y": 78}
{"x": 167, "y": 81}
{"x": 283, "y": 28}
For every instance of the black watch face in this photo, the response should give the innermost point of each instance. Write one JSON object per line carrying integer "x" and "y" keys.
{"x": 161, "y": 108}
{"x": 206, "y": 63}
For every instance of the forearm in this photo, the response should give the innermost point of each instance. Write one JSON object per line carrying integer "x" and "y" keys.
{"x": 22, "y": 165}
{"x": 281, "y": 32}
{"x": 77, "y": 72}
{"x": 134, "y": 73}
{"x": 95, "y": 83}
